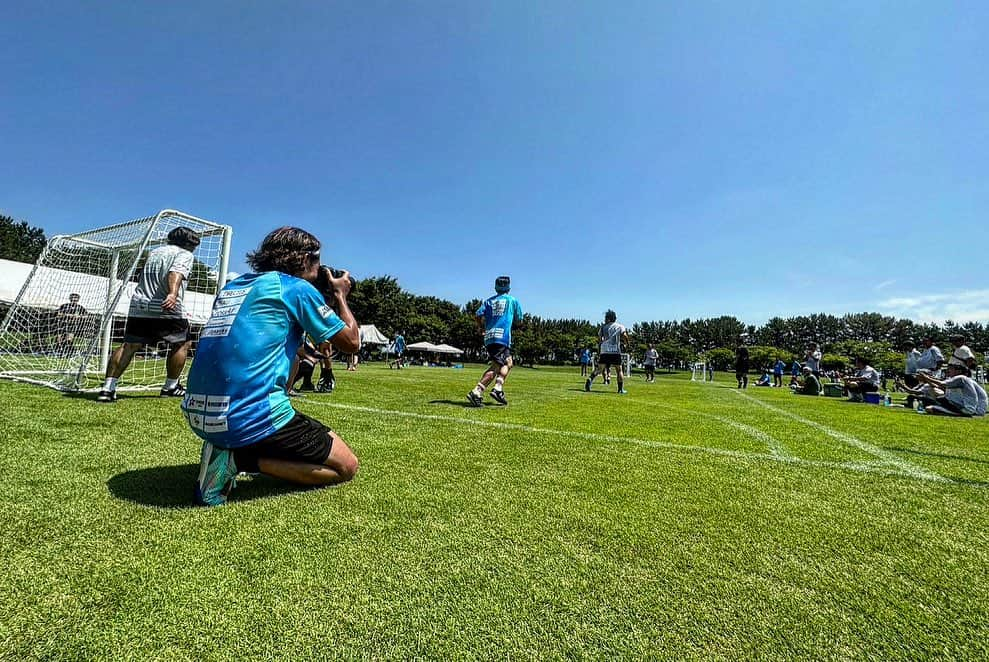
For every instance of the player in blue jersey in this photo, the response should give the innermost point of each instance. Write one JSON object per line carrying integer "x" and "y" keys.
{"x": 497, "y": 315}
{"x": 237, "y": 395}
{"x": 399, "y": 346}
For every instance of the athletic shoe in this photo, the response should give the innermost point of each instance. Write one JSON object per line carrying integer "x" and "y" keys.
{"x": 622, "y": 391}
{"x": 292, "y": 393}
{"x": 475, "y": 399}
{"x": 325, "y": 385}
{"x": 499, "y": 395}
{"x": 217, "y": 475}
{"x": 587, "y": 385}
{"x": 106, "y": 396}
{"x": 177, "y": 391}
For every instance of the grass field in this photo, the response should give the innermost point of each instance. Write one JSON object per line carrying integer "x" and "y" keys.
{"x": 678, "y": 521}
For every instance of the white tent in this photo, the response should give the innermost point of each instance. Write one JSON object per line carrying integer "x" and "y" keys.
{"x": 443, "y": 348}
{"x": 371, "y": 336}
{"x": 92, "y": 291}
{"x": 421, "y": 347}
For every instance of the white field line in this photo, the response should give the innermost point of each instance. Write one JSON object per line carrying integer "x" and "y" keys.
{"x": 774, "y": 445}
{"x": 902, "y": 465}
{"x": 858, "y": 467}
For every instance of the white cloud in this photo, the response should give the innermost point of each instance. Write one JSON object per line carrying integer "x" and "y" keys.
{"x": 886, "y": 283}
{"x": 962, "y": 306}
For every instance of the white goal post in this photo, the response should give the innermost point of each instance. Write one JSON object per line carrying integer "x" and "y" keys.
{"x": 698, "y": 372}
{"x": 72, "y": 308}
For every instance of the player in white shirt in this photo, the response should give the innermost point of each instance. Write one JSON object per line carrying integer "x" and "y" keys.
{"x": 611, "y": 335}
{"x": 157, "y": 314}
{"x": 649, "y": 361}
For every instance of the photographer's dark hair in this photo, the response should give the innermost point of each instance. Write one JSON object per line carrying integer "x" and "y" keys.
{"x": 610, "y": 317}
{"x": 183, "y": 237}
{"x": 289, "y": 250}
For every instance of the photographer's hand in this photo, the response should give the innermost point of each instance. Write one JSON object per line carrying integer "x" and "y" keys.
{"x": 341, "y": 285}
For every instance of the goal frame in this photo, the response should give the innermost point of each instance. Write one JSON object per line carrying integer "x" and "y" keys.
{"x": 101, "y": 343}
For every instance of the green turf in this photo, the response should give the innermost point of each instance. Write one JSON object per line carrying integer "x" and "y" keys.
{"x": 678, "y": 520}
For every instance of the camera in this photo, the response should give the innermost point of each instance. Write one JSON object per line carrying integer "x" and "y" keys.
{"x": 323, "y": 283}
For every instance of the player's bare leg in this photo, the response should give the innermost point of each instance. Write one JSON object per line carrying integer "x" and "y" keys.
{"x": 175, "y": 362}
{"x": 121, "y": 358}
{"x": 340, "y": 466}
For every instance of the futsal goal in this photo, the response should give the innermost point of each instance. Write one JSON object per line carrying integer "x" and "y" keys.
{"x": 72, "y": 308}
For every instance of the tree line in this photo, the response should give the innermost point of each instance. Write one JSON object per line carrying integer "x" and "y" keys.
{"x": 382, "y": 301}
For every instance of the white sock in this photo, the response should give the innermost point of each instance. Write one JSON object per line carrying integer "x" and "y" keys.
{"x": 499, "y": 384}
{"x": 110, "y": 384}
{"x": 170, "y": 384}
{"x": 479, "y": 389}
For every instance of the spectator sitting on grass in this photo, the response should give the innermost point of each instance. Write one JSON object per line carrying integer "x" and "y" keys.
{"x": 809, "y": 385}
{"x": 765, "y": 380}
{"x": 963, "y": 396}
{"x": 866, "y": 380}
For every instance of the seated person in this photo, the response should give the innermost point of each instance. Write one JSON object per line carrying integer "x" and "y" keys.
{"x": 963, "y": 396}
{"x": 765, "y": 380}
{"x": 809, "y": 385}
{"x": 866, "y": 380}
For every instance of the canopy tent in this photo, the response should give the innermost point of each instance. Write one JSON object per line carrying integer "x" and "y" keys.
{"x": 92, "y": 290}
{"x": 443, "y": 348}
{"x": 371, "y": 336}
{"x": 421, "y": 347}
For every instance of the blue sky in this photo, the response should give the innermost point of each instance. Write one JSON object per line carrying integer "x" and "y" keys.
{"x": 667, "y": 160}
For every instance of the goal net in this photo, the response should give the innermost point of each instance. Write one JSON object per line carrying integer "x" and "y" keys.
{"x": 698, "y": 372}
{"x": 72, "y": 308}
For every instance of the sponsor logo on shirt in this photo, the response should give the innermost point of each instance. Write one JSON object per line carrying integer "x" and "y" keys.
{"x": 325, "y": 311}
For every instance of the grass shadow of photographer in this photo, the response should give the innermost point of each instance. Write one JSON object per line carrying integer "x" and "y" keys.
{"x": 173, "y": 487}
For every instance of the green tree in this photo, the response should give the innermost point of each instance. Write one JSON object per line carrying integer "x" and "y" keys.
{"x": 19, "y": 241}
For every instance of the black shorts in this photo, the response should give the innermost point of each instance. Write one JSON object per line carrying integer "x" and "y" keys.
{"x": 153, "y": 330}
{"x": 610, "y": 359}
{"x": 303, "y": 439}
{"x": 499, "y": 354}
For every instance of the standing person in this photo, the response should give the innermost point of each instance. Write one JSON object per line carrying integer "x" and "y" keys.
{"x": 931, "y": 359}
{"x": 70, "y": 319}
{"x": 812, "y": 359}
{"x": 238, "y": 400}
{"x": 327, "y": 382}
{"x": 157, "y": 314}
{"x": 649, "y": 360}
{"x": 778, "y": 369}
{"x": 399, "y": 345}
{"x": 795, "y": 370}
{"x": 497, "y": 315}
{"x": 585, "y": 360}
{"x": 912, "y": 356}
{"x": 611, "y": 336}
{"x": 742, "y": 366}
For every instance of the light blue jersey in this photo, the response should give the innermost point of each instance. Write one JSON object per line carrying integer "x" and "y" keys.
{"x": 399, "y": 344}
{"x": 499, "y": 313}
{"x": 236, "y": 393}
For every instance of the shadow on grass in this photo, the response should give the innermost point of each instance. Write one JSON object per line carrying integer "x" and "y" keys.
{"x": 174, "y": 487}
{"x": 945, "y": 456}
{"x": 463, "y": 403}
{"x": 132, "y": 395}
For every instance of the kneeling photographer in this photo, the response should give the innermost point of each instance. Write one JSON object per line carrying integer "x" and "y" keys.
{"x": 237, "y": 395}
